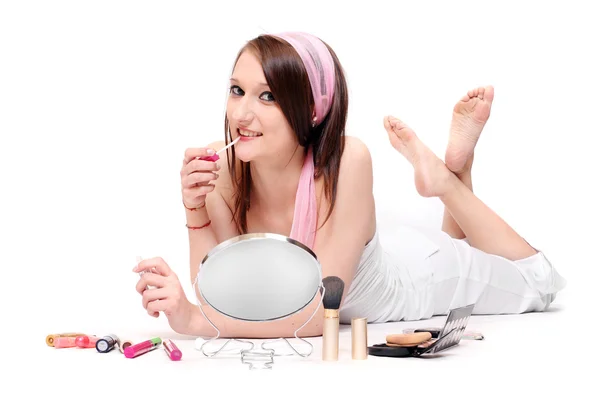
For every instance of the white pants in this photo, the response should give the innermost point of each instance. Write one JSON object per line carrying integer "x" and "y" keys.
{"x": 465, "y": 275}
{"x": 416, "y": 274}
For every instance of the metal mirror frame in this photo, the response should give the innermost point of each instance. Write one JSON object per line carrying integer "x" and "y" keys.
{"x": 269, "y": 353}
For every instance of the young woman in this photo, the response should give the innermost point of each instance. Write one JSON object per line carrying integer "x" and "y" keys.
{"x": 295, "y": 173}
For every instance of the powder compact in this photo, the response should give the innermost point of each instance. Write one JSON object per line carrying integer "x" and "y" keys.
{"x": 426, "y": 341}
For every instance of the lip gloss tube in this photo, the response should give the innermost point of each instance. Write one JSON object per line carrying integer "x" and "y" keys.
{"x": 52, "y": 337}
{"x": 86, "y": 342}
{"x": 172, "y": 351}
{"x": 142, "y": 347}
{"x": 64, "y": 342}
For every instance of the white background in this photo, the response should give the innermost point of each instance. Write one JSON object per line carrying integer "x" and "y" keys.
{"x": 99, "y": 100}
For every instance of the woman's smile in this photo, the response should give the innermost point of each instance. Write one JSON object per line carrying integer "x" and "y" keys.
{"x": 246, "y": 134}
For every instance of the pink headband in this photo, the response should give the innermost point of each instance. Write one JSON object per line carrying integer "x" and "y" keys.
{"x": 318, "y": 63}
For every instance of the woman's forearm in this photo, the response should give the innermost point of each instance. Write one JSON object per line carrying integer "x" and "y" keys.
{"x": 201, "y": 241}
{"x": 231, "y": 328}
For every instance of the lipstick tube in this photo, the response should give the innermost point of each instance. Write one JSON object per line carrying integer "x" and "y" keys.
{"x": 331, "y": 335}
{"x": 142, "y": 348}
{"x": 359, "y": 338}
{"x": 107, "y": 343}
{"x": 172, "y": 351}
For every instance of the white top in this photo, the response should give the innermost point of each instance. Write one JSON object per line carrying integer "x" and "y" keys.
{"x": 382, "y": 284}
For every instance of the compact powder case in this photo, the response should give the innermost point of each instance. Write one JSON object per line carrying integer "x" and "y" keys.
{"x": 449, "y": 336}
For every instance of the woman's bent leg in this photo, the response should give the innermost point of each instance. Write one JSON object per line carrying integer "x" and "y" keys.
{"x": 463, "y": 275}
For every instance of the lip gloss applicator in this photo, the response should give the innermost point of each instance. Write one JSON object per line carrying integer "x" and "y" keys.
{"x": 138, "y": 259}
{"x": 215, "y": 156}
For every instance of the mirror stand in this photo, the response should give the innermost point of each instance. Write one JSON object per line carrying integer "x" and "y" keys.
{"x": 266, "y": 357}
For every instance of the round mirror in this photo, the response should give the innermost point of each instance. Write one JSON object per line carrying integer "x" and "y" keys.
{"x": 259, "y": 277}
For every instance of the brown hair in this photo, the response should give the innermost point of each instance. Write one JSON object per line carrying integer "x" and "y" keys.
{"x": 288, "y": 80}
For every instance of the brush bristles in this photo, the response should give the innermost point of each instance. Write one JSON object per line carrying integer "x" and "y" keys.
{"x": 334, "y": 289}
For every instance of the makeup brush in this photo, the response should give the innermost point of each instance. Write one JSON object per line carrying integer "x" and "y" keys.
{"x": 334, "y": 289}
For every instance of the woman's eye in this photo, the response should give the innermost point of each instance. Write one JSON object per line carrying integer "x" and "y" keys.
{"x": 236, "y": 90}
{"x": 267, "y": 96}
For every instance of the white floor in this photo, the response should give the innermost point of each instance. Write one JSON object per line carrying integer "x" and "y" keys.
{"x": 522, "y": 355}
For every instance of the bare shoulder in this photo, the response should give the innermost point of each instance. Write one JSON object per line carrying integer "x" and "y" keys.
{"x": 356, "y": 161}
{"x": 354, "y": 209}
{"x": 356, "y": 203}
{"x": 355, "y": 180}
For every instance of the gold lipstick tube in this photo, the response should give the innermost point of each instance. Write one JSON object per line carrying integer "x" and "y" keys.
{"x": 331, "y": 335}
{"x": 359, "y": 338}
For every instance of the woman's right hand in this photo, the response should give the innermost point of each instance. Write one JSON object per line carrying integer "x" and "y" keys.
{"x": 161, "y": 291}
{"x": 196, "y": 175}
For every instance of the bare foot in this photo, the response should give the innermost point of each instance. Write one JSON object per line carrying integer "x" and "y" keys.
{"x": 468, "y": 119}
{"x": 432, "y": 177}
